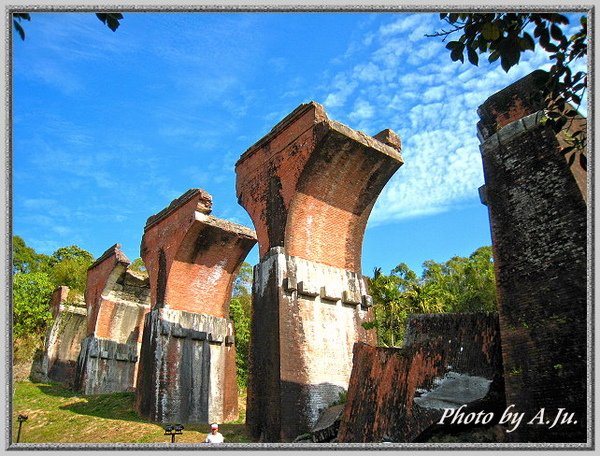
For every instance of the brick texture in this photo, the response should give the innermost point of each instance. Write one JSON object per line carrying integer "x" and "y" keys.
{"x": 117, "y": 300}
{"x": 187, "y": 365}
{"x": 537, "y": 209}
{"x": 309, "y": 187}
{"x": 310, "y": 184}
{"x": 398, "y": 394}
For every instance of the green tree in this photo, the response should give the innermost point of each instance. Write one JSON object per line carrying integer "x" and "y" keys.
{"x": 71, "y": 252}
{"x": 458, "y": 285}
{"x": 240, "y": 312}
{"x": 506, "y": 36}
{"x": 31, "y": 297}
{"x": 26, "y": 259}
{"x": 69, "y": 267}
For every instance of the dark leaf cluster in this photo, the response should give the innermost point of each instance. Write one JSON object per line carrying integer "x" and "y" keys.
{"x": 506, "y": 36}
{"x": 111, "y": 20}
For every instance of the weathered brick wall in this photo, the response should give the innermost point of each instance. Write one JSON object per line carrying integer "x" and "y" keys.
{"x": 309, "y": 186}
{"x": 187, "y": 366}
{"x": 117, "y": 300}
{"x": 98, "y": 275}
{"x": 539, "y": 233}
{"x": 59, "y": 297}
{"x": 449, "y": 360}
{"x": 63, "y": 340}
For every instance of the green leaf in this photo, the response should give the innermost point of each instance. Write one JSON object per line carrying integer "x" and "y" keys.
{"x": 545, "y": 39}
{"x": 556, "y": 32}
{"x": 472, "y": 55}
{"x": 457, "y": 54}
{"x": 526, "y": 42}
{"x": 494, "y": 56}
{"x": 560, "y": 19}
{"x": 110, "y": 19}
{"x": 490, "y": 31}
{"x": 454, "y": 45}
{"x": 22, "y": 16}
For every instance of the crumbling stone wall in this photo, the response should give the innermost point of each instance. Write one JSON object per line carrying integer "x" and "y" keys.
{"x": 63, "y": 340}
{"x": 536, "y": 198}
{"x": 309, "y": 187}
{"x": 187, "y": 365}
{"x": 117, "y": 299}
{"x": 448, "y": 361}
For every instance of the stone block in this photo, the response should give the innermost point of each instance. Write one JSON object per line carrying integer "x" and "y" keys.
{"x": 186, "y": 383}
{"x": 59, "y": 360}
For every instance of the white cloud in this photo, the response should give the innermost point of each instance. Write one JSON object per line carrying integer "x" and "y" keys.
{"x": 407, "y": 82}
{"x": 362, "y": 110}
{"x": 401, "y": 25}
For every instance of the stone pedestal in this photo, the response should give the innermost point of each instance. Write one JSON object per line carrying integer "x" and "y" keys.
{"x": 309, "y": 187}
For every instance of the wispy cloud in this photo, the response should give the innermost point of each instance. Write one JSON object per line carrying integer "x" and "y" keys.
{"x": 431, "y": 102}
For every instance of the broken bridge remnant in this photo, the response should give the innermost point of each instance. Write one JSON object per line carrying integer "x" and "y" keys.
{"x": 187, "y": 364}
{"x": 536, "y": 199}
{"x": 117, "y": 299}
{"x": 448, "y": 361}
{"x": 63, "y": 340}
{"x": 309, "y": 187}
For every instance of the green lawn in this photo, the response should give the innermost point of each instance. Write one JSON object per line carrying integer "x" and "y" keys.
{"x": 58, "y": 415}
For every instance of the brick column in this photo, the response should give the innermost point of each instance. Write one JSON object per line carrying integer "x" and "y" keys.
{"x": 117, "y": 300}
{"x": 63, "y": 339}
{"x": 187, "y": 370}
{"x": 536, "y": 199}
{"x": 309, "y": 187}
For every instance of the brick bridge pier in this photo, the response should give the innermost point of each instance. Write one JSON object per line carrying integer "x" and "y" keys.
{"x": 187, "y": 366}
{"x": 309, "y": 187}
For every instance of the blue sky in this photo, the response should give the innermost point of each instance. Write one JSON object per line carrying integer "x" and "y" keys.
{"x": 108, "y": 127}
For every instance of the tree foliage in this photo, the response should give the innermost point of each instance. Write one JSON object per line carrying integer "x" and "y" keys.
{"x": 138, "y": 265}
{"x": 506, "y": 36}
{"x": 111, "y": 20}
{"x": 240, "y": 311}
{"x": 31, "y": 302}
{"x": 26, "y": 259}
{"x": 36, "y": 275}
{"x": 458, "y": 285}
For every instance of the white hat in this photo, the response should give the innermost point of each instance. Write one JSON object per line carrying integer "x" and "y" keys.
{"x": 214, "y": 426}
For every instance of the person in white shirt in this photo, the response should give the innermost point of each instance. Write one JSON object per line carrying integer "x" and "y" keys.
{"x": 215, "y": 436}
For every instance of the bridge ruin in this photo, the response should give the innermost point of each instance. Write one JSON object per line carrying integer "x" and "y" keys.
{"x": 309, "y": 187}
{"x": 117, "y": 299}
{"x": 187, "y": 366}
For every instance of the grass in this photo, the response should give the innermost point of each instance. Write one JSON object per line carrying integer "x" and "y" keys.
{"x": 58, "y": 415}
